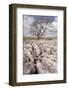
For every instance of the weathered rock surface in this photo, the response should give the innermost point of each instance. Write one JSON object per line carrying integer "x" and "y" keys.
{"x": 40, "y": 57}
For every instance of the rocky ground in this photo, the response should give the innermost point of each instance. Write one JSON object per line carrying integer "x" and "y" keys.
{"x": 40, "y": 56}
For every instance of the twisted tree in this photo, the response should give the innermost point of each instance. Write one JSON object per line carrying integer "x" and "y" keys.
{"x": 38, "y": 29}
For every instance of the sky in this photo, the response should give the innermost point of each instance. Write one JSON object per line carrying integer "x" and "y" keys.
{"x": 29, "y": 19}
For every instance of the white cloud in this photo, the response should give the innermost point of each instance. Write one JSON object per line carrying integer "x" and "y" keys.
{"x": 54, "y": 23}
{"x": 28, "y": 20}
{"x": 51, "y": 27}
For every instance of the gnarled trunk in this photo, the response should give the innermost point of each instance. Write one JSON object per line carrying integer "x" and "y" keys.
{"x": 38, "y": 37}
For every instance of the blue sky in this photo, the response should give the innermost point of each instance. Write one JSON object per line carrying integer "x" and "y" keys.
{"x": 29, "y": 19}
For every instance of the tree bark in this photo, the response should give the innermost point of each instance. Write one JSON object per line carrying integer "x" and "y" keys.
{"x": 38, "y": 37}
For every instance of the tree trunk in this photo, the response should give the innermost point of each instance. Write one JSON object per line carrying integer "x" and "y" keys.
{"x": 38, "y": 37}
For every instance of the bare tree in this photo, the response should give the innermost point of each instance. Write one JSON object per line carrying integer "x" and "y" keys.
{"x": 38, "y": 29}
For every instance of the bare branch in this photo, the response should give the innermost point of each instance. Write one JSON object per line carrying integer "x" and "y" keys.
{"x": 38, "y": 28}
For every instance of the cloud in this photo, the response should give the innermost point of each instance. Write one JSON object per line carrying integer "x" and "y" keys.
{"x": 54, "y": 23}
{"x": 51, "y": 30}
{"x": 28, "y": 20}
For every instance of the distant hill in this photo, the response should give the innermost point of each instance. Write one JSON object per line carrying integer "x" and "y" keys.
{"x": 45, "y": 38}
